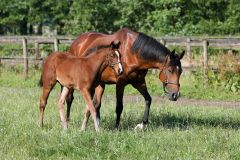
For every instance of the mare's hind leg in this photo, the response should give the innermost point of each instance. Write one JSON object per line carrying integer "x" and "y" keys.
{"x": 69, "y": 101}
{"x": 142, "y": 88}
{"x": 97, "y": 100}
{"x": 43, "y": 103}
{"x": 61, "y": 106}
{"x": 119, "y": 106}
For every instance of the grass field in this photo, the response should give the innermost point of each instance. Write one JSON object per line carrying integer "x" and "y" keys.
{"x": 183, "y": 132}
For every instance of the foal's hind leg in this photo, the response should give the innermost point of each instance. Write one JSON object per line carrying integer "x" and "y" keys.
{"x": 61, "y": 106}
{"x": 43, "y": 103}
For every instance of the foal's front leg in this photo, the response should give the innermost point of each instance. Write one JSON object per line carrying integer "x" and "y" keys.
{"x": 86, "y": 117}
{"x": 61, "y": 101}
{"x": 88, "y": 100}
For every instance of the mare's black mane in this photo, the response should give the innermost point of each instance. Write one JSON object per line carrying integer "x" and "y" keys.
{"x": 149, "y": 48}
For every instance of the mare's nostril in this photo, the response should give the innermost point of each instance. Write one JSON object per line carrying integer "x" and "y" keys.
{"x": 174, "y": 96}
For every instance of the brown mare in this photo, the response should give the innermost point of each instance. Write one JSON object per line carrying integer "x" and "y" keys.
{"x": 139, "y": 52}
{"x": 78, "y": 73}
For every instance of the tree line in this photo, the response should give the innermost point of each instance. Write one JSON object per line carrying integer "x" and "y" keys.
{"x": 156, "y": 17}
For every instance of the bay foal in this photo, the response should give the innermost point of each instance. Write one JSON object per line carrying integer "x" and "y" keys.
{"x": 82, "y": 74}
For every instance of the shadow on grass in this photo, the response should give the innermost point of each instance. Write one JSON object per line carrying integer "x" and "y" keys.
{"x": 163, "y": 120}
{"x": 172, "y": 121}
{"x": 184, "y": 122}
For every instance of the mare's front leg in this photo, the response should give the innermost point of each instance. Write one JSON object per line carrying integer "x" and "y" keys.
{"x": 142, "y": 88}
{"x": 89, "y": 108}
{"x": 61, "y": 101}
{"x": 119, "y": 104}
{"x": 99, "y": 90}
{"x": 69, "y": 100}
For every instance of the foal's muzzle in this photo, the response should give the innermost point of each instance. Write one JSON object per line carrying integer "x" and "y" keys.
{"x": 120, "y": 71}
{"x": 120, "y": 68}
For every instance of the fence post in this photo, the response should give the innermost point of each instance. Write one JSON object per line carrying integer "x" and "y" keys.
{"x": 37, "y": 50}
{"x": 188, "y": 48}
{"x": 205, "y": 61}
{"x": 25, "y": 57}
{"x": 56, "y": 44}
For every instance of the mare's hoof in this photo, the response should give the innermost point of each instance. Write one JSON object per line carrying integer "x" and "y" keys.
{"x": 140, "y": 126}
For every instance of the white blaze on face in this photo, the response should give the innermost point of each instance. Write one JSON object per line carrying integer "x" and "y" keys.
{"x": 119, "y": 64}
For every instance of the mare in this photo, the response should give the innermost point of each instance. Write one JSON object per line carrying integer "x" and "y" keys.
{"x": 78, "y": 73}
{"x": 139, "y": 52}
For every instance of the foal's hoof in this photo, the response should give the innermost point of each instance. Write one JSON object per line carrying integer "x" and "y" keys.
{"x": 140, "y": 126}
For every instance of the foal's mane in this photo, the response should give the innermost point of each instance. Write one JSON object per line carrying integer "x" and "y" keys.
{"x": 149, "y": 48}
{"x": 95, "y": 49}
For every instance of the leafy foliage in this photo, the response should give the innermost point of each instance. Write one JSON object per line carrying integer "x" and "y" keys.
{"x": 158, "y": 17}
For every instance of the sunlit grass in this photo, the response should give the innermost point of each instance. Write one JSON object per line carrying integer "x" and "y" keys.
{"x": 183, "y": 132}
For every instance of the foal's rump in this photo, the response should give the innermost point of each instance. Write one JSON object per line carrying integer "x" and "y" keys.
{"x": 49, "y": 67}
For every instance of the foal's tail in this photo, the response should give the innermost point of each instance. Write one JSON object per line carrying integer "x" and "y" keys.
{"x": 40, "y": 82}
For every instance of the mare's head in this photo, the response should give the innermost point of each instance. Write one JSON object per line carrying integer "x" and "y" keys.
{"x": 156, "y": 55}
{"x": 114, "y": 58}
{"x": 170, "y": 74}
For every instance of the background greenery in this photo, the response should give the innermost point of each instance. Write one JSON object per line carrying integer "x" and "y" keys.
{"x": 156, "y": 17}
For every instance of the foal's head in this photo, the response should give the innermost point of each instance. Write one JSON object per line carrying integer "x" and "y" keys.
{"x": 170, "y": 75}
{"x": 113, "y": 58}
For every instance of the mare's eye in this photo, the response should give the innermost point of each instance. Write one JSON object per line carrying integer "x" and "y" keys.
{"x": 170, "y": 70}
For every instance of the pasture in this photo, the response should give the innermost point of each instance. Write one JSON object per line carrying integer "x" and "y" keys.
{"x": 176, "y": 131}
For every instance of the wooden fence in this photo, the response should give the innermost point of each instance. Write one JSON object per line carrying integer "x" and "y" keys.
{"x": 186, "y": 42}
{"x": 37, "y": 41}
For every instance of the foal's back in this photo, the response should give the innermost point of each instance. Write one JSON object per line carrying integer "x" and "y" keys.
{"x": 67, "y": 69}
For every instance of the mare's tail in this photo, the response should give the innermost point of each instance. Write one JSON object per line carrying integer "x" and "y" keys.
{"x": 40, "y": 82}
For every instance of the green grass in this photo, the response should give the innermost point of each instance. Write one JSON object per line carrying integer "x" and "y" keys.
{"x": 184, "y": 132}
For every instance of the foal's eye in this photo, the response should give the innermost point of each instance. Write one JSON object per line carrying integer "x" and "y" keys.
{"x": 170, "y": 70}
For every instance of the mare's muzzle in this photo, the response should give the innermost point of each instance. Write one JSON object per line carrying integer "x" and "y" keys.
{"x": 174, "y": 96}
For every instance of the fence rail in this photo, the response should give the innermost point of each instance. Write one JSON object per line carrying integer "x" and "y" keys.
{"x": 186, "y": 42}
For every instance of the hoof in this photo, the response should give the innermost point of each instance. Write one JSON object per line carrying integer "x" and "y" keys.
{"x": 139, "y": 126}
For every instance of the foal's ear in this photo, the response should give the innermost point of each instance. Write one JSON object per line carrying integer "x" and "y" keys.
{"x": 115, "y": 44}
{"x": 172, "y": 54}
{"x": 182, "y": 54}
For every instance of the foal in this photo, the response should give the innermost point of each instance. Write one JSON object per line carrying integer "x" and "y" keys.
{"x": 82, "y": 74}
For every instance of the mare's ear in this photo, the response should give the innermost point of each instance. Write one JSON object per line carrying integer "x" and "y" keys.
{"x": 115, "y": 44}
{"x": 182, "y": 54}
{"x": 172, "y": 54}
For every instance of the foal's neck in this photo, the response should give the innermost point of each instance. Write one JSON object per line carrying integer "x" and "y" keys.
{"x": 98, "y": 59}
